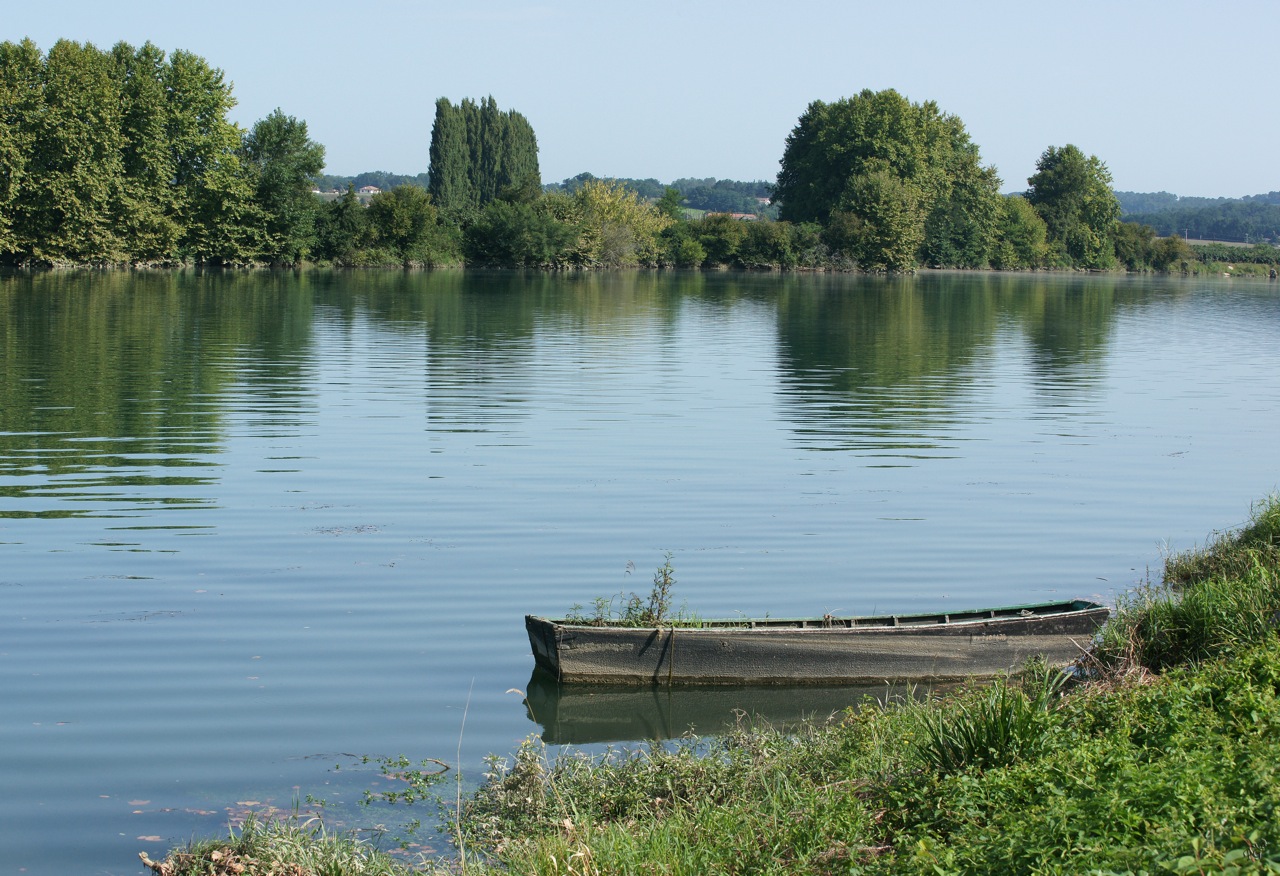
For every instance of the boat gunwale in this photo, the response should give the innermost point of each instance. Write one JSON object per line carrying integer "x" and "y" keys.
{"x": 904, "y": 622}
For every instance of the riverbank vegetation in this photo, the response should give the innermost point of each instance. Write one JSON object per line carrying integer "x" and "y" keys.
{"x": 1161, "y": 754}
{"x": 127, "y": 157}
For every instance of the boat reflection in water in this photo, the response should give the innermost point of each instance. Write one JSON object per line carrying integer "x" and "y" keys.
{"x": 581, "y": 714}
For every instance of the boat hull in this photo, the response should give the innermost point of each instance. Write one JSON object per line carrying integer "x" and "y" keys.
{"x": 859, "y": 650}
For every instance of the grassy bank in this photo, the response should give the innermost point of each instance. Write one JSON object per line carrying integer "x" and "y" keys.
{"x": 1161, "y": 756}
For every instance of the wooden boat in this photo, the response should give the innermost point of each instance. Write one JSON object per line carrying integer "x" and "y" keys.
{"x": 825, "y": 650}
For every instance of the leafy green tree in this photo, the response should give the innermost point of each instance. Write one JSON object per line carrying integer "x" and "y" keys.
{"x": 621, "y": 229}
{"x": 720, "y": 236}
{"x": 282, "y": 160}
{"x": 404, "y": 221}
{"x": 66, "y": 214}
{"x": 21, "y": 100}
{"x": 520, "y": 235}
{"x": 768, "y": 244}
{"x": 671, "y": 204}
{"x": 147, "y": 208}
{"x": 960, "y": 230}
{"x": 680, "y": 247}
{"x": 1171, "y": 254}
{"x": 1134, "y": 245}
{"x": 895, "y": 175}
{"x": 1020, "y": 236}
{"x": 893, "y": 211}
{"x": 341, "y": 229}
{"x": 128, "y": 157}
{"x": 1072, "y": 193}
{"x": 219, "y": 221}
{"x": 809, "y": 248}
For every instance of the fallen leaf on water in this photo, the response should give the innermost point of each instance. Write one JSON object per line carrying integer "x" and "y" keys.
{"x": 248, "y": 802}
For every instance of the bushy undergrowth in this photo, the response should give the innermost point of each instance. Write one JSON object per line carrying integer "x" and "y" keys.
{"x": 279, "y": 848}
{"x": 1213, "y": 601}
{"x": 1175, "y": 773}
{"x": 1232, "y": 554}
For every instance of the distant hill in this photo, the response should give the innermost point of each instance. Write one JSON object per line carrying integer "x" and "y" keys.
{"x": 709, "y": 194}
{"x": 1251, "y": 219}
{"x": 380, "y": 179}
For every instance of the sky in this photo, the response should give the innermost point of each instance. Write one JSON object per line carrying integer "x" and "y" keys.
{"x": 1173, "y": 96}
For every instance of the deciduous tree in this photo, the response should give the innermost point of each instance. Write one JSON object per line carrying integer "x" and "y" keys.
{"x": 895, "y": 175}
{"x": 21, "y": 98}
{"x": 1072, "y": 193}
{"x": 75, "y": 164}
{"x": 622, "y": 229}
{"x": 1020, "y": 236}
{"x": 404, "y": 221}
{"x": 283, "y": 159}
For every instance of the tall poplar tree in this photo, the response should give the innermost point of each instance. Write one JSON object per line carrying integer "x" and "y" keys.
{"x": 477, "y": 152}
{"x": 448, "y": 179}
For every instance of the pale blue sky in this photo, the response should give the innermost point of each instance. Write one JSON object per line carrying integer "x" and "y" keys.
{"x": 1172, "y": 95}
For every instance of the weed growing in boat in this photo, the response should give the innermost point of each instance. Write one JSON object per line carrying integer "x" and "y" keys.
{"x": 634, "y": 610}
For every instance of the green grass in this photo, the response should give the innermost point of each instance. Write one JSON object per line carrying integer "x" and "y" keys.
{"x": 1165, "y": 775}
{"x": 1234, "y": 553}
{"x": 1214, "y": 601}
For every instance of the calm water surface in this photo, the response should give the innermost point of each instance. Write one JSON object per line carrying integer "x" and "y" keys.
{"x": 256, "y": 526}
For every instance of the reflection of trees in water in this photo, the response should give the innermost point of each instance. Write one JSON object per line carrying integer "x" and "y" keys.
{"x": 111, "y": 379}
{"x": 489, "y": 337}
{"x": 879, "y": 364}
{"x": 102, "y": 370}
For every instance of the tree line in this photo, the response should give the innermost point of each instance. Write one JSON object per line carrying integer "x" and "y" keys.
{"x": 127, "y": 157}
{"x": 1249, "y": 220}
{"x": 872, "y": 182}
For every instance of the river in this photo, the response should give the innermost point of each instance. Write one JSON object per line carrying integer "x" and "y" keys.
{"x": 255, "y": 527}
